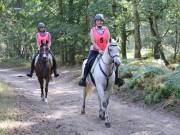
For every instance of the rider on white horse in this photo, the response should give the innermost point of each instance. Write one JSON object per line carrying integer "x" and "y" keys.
{"x": 99, "y": 37}
{"x": 42, "y": 36}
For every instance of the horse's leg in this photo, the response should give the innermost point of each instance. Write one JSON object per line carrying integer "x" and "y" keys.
{"x": 107, "y": 95}
{"x": 102, "y": 102}
{"x": 41, "y": 86}
{"x": 46, "y": 89}
{"x": 101, "y": 112}
{"x": 104, "y": 99}
{"x": 84, "y": 100}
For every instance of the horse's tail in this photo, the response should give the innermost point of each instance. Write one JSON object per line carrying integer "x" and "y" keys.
{"x": 83, "y": 66}
{"x": 89, "y": 90}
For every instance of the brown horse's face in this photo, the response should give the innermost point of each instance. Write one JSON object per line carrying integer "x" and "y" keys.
{"x": 44, "y": 52}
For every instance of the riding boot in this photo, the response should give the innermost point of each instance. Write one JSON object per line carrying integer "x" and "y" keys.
{"x": 55, "y": 68}
{"x": 118, "y": 81}
{"x": 30, "y": 74}
{"x": 116, "y": 76}
{"x": 82, "y": 82}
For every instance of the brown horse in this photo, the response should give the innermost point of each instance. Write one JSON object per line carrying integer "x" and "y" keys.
{"x": 43, "y": 69}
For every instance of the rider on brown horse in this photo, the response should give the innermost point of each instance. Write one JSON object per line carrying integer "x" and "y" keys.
{"x": 42, "y": 36}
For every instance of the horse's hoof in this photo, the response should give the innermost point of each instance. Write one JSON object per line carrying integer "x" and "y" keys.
{"x": 108, "y": 125}
{"x": 83, "y": 112}
{"x": 101, "y": 117}
{"x": 45, "y": 100}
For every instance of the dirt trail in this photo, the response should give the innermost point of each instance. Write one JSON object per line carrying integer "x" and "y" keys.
{"x": 61, "y": 116}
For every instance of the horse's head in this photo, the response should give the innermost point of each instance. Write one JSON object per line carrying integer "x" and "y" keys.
{"x": 113, "y": 51}
{"x": 44, "y": 50}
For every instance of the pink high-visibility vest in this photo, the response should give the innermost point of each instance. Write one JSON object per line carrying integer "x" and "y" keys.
{"x": 101, "y": 39}
{"x": 42, "y": 39}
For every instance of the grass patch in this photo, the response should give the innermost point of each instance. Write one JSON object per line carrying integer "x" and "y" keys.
{"x": 6, "y": 106}
{"x": 3, "y": 86}
{"x": 14, "y": 61}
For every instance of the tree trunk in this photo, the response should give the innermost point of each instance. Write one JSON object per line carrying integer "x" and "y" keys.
{"x": 163, "y": 57}
{"x": 18, "y": 4}
{"x": 71, "y": 48}
{"x": 60, "y": 3}
{"x": 155, "y": 34}
{"x": 176, "y": 46}
{"x": 114, "y": 13}
{"x": 137, "y": 37}
{"x": 72, "y": 54}
{"x": 60, "y": 14}
{"x": 86, "y": 29}
{"x": 123, "y": 40}
{"x": 71, "y": 13}
{"x": 87, "y": 15}
{"x": 158, "y": 50}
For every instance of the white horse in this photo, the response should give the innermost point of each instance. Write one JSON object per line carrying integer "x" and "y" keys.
{"x": 102, "y": 77}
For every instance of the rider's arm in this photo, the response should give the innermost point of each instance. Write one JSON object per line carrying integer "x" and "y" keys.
{"x": 37, "y": 43}
{"x": 49, "y": 42}
{"x": 93, "y": 41}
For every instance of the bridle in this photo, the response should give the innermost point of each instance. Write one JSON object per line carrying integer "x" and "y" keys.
{"x": 112, "y": 56}
{"x": 109, "y": 52}
{"x": 44, "y": 51}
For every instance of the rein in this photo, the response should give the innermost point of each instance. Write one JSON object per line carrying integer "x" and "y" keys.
{"x": 107, "y": 76}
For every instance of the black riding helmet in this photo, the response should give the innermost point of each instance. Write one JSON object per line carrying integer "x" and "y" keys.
{"x": 99, "y": 17}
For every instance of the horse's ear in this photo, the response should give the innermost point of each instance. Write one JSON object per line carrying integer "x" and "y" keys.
{"x": 110, "y": 40}
{"x": 117, "y": 40}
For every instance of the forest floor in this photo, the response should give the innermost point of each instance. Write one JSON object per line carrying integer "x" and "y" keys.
{"x": 61, "y": 115}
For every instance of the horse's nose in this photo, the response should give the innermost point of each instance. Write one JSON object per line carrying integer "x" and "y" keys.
{"x": 117, "y": 62}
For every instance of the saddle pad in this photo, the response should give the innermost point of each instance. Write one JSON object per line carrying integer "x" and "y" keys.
{"x": 36, "y": 59}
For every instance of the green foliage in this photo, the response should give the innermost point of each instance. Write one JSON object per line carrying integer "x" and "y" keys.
{"x": 156, "y": 82}
{"x": 69, "y": 22}
{"x": 79, "y": 59}
{"x": 178, "y": 67}
{"x": 153, "y": 95}
{"x": 14, "y": 61}
{"x": 173, "y": 82}
{"x": 3, "y": 86}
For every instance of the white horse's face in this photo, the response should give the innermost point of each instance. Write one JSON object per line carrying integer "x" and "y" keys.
{"x": 113, "y": 51}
